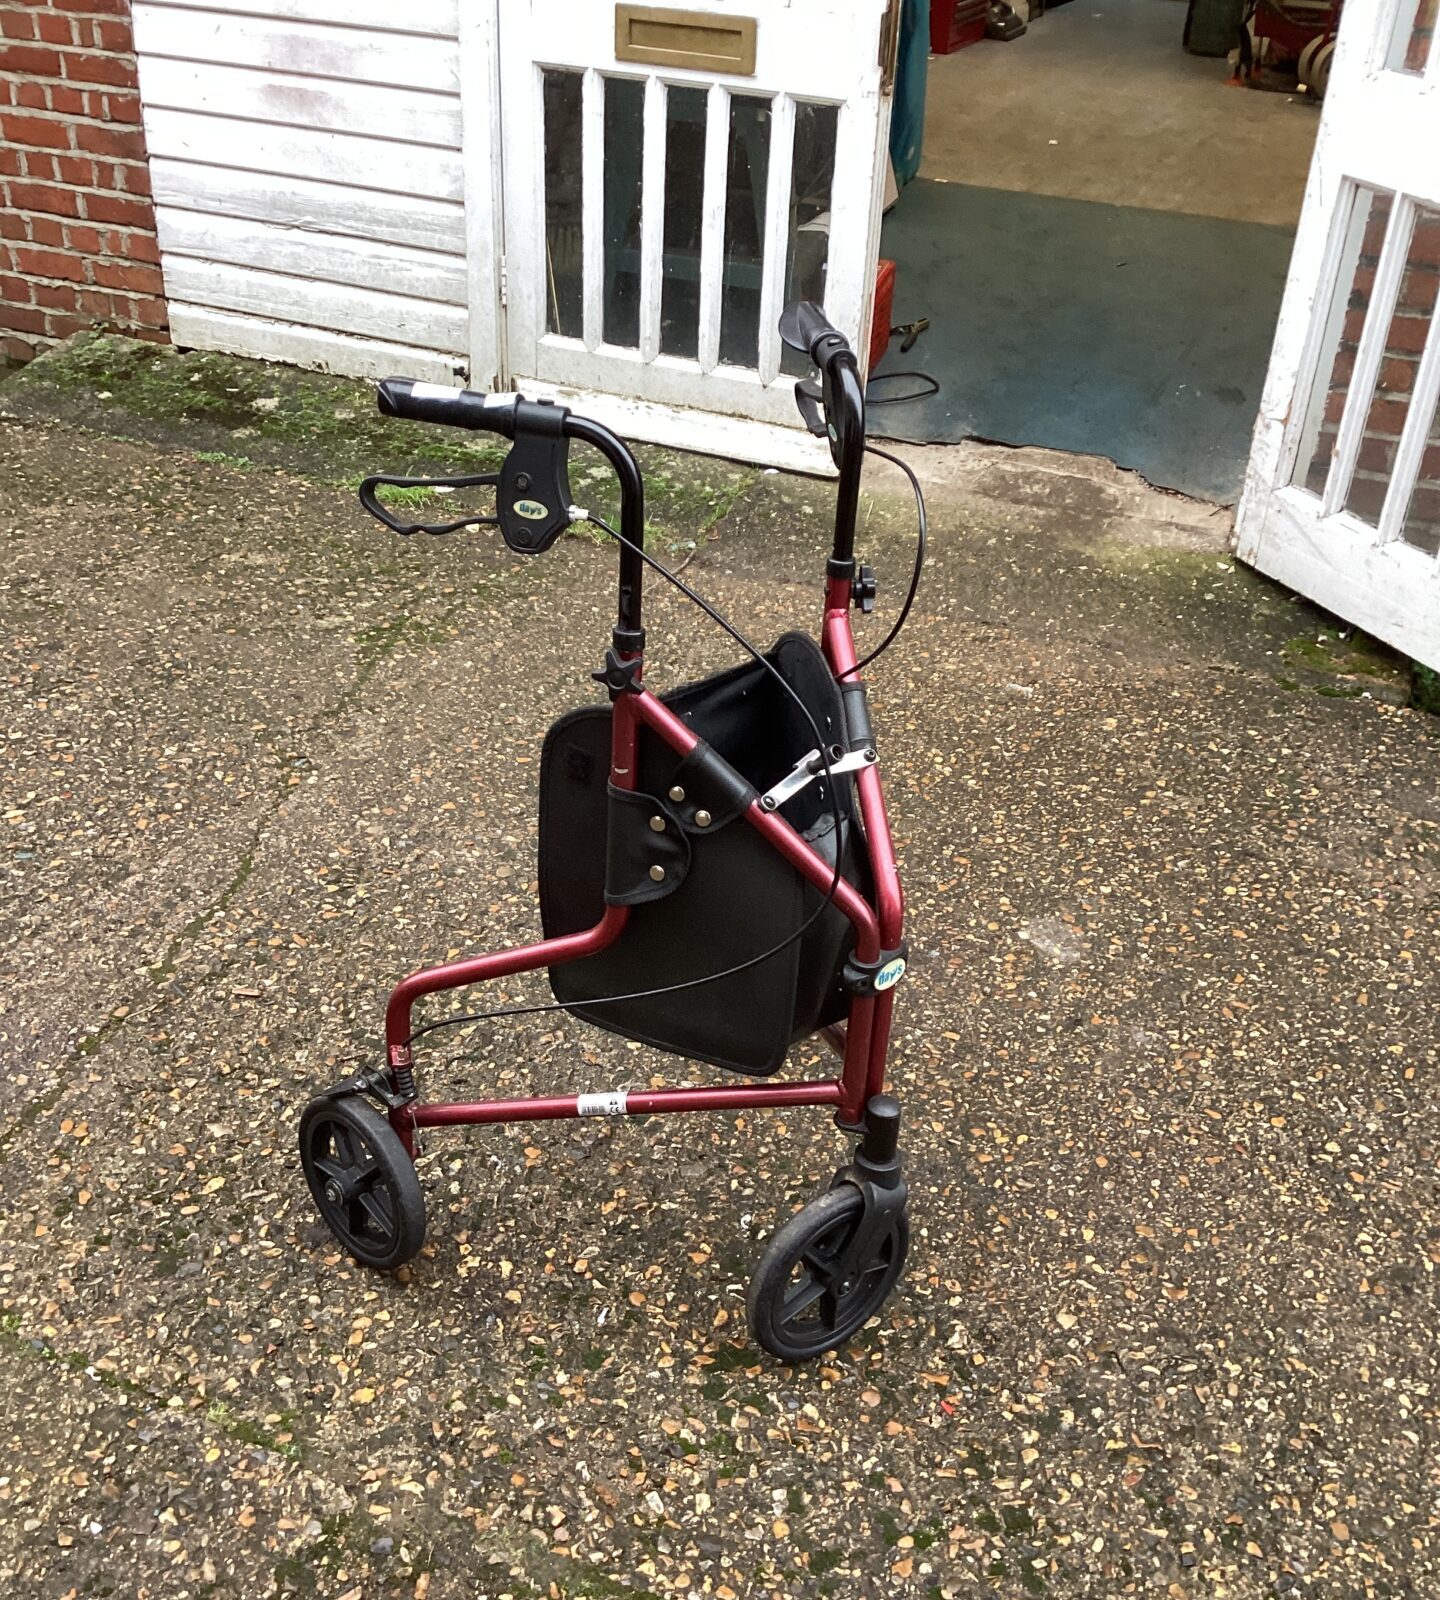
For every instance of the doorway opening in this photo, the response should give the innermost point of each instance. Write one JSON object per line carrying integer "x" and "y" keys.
{"x": 1099, "y": 234}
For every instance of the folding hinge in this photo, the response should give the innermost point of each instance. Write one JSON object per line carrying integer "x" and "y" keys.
{"x": 810, "y": 767}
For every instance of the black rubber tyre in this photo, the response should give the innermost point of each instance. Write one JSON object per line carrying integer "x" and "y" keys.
{"x": 797, "y": 1309}
{"x": 362, "y": 1181}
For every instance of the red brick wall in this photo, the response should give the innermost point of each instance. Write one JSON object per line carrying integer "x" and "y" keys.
{"x": 1422, "y": 34}
{"x": 77, "y": 227}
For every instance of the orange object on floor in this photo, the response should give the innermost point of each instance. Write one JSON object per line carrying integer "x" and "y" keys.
{"x": 883, "y": 317}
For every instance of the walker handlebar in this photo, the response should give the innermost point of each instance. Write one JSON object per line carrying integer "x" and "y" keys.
{"x": 439, "y": 402}
{"x": 533, "y": 493}
{"x": 835, "y": 410}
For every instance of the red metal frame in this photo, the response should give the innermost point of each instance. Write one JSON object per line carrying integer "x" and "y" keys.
{"x": 877, "y": 928}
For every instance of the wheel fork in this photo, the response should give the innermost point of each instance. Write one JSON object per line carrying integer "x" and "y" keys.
{"x": 875, "y": 1171}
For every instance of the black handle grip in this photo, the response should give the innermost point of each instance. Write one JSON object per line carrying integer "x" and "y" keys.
{"x": 415, "y": 401}
{"x": 806, "y": 329}
{"x": 803, "y": 325}
{"x": 836, "y": 410}
{"x": 530, "y": 522}
{"x": 532, "y": 502}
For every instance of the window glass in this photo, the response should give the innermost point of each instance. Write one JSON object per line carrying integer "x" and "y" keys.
{"x": 564, "y": 257}
{"x": 747, "y": 173}
{"x": 685, "y": 114}
{"x": 1414, "y": 29}
{"x": 624, "y": 147}
{"x": 1395, "y": 382}
{"x": 812, "y": 177}
{"x": 1360, "y": 254}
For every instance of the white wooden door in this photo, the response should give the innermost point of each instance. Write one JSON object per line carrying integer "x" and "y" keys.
{"x": 1342, "y": 495}
{"x": 658, "y": 215}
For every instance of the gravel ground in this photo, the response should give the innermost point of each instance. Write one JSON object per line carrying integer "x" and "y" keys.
{"x": 1166, "y": 1048}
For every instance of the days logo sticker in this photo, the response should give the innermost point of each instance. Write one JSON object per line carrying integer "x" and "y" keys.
{"x": 532, "y": 509}
{"x": 889, "y": 975}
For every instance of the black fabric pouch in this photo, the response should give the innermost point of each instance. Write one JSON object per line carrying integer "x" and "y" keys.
{"x": 726, "y": 895}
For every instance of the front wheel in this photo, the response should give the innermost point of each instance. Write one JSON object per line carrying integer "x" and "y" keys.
{"x": 363, "y": 1181}
{"x": 805, "y": 1297}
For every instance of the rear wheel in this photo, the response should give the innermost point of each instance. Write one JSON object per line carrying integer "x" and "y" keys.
{"x": 805, "y": 1297}
{"x": 363, "y": 1181}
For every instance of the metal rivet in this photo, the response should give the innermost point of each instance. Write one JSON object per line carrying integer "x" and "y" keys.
{"x": 702, "y": 819}
{"x": 676, "y": 792}
{"x": 657, "y": 824}
{"x": 658, "y": 873}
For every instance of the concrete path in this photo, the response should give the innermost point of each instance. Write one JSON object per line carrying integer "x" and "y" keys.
{"x": 1168, "y": 1050}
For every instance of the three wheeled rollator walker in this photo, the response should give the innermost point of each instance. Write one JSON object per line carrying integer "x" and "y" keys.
{"x": 716, "y": 872}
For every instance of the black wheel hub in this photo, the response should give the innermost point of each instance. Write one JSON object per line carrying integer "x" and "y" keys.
{"x": 822, "y": 1294}
{"x": 362, "y": 1179}
{"x": 354, "y": 1197}
{"x": 810, "y": 1292}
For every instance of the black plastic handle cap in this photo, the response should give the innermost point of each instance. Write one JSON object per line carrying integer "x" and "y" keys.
{"x": 437, "y": 402}
{"x": 391, "y": 396}
{"x": 803, "y": 325}
{"x": 882, "y": 1130}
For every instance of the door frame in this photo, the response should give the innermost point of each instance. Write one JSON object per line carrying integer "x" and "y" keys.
{"x": 479, "y": 47}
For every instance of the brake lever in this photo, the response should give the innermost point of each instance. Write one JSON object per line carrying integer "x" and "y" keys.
{"x": 810, "y": 399}
{"x": 372, "y": 503}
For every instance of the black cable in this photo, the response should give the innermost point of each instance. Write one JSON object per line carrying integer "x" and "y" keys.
{"x": 873, "y": 399}
{"x": 741, "y": 966}
{"x": 920, "y": 530}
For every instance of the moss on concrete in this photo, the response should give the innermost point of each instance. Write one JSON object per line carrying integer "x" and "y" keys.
{"x": 1425, "y": 689}
{"x": 252, "y": 415}
{"x": 1341, "y": 666}
{"x": 236, "y": 412}
{"x": 270, "y": 415}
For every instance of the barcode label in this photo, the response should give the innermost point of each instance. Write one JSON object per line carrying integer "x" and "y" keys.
{"x": 609, "y": 1103}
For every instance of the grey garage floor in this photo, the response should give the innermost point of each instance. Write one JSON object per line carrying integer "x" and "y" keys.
{"x": 1099, "y": 101}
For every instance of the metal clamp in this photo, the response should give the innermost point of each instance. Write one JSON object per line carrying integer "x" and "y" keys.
{"x": 810, "y": 767}
{"x": 375, "y": 1082}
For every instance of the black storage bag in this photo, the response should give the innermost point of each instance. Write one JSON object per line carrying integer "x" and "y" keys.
{"x": 737, "y": 897}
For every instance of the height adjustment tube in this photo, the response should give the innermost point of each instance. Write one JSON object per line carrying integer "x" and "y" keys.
{"x": 629, "y": 621}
